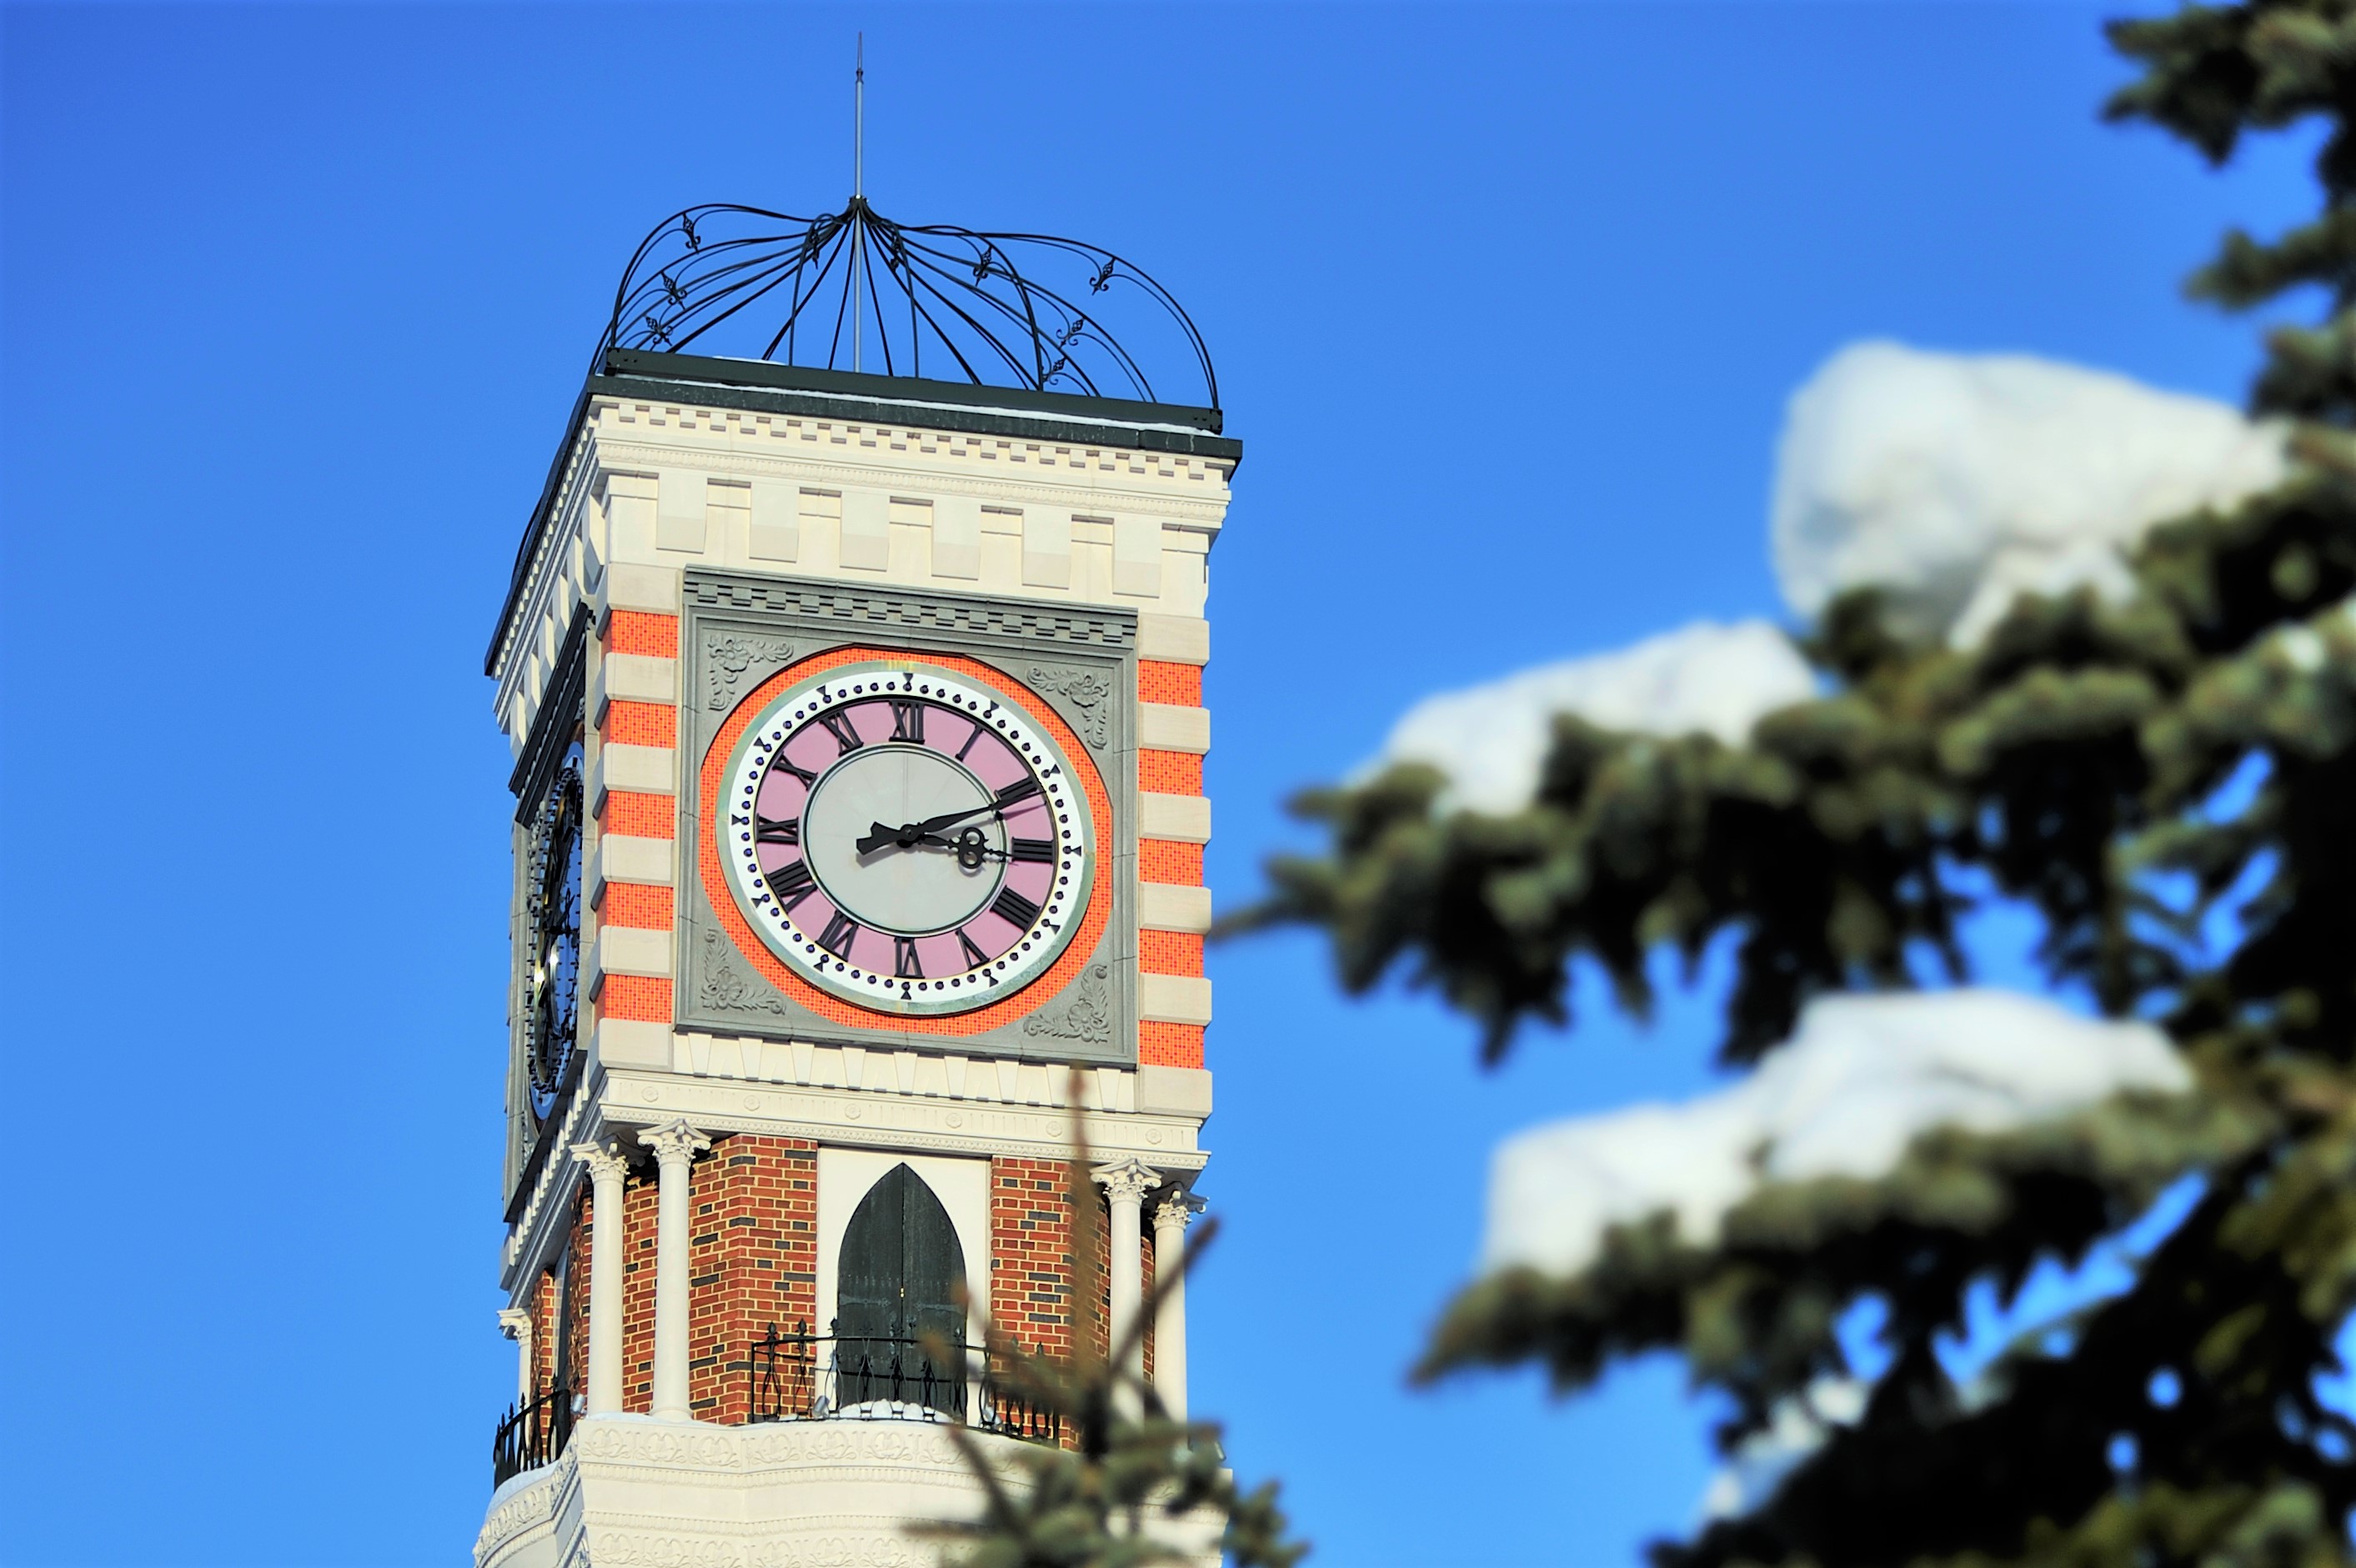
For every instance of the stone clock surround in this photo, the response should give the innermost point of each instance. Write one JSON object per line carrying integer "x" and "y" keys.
{"x": 738, "y": 630}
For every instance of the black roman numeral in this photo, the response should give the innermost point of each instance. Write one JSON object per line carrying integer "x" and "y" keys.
{"x": 905, "y": 963}
{"x": 836, "y": 937}
{"x": 974, "y": 956}
{"x": 772, "y": 831}
{"x": 1018, "y": 791}
{"x": 808, "y": 777}
{"x": 908, "y": 721}
{"x": 1012, "y": 905}
{"x": 839, "y": 726}
{"x": 1038, "y": 851}
{"x": 792, "y": 882}
{"x": 969, "y": 739}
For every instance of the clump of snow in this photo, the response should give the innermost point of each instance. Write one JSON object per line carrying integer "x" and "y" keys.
{"x": 1859, "y": 1079}
{"x": 1956, "y": 482}
{"x": 1796, "y": 1429}
{"x": 1490, "y": 740}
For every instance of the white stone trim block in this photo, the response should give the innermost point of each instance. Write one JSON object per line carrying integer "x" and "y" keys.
{"x": 1047, "y": 547}
{"x": 654, "y": 589}
{"x": 776, "y": 525}
{"x": 639, "y": 677}
{"x": 679, "y": 510}
{"x": 866, "y": 529}
{"x": 1137, "y": 556}
{"x": 631, "y": 1042}
{"x": 623, "y": 858}
{"x": 1185, "y": 817}
{"x": 1162, "y": 906}
{"x": 627, "y": 950}
{"x": 1166, "y": 726}
{"x": 957, "y": 537}
{"x": 1174, "y": 639}
{"x": 1174, "y": 998}
{"x": 643, "y": 770}
{"x": 1164, "y": 1090}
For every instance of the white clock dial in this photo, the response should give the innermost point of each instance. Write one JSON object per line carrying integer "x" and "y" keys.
{"x": 905, "y": 838}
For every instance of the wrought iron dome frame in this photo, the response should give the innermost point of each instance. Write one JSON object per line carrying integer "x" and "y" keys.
{"x": 960, "y": 295}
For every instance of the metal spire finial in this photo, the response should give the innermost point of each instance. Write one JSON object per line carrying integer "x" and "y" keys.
{"x": 858, "y": 186}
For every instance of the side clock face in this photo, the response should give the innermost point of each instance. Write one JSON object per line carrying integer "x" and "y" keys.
{"x": 555, "y": 907}
{"x": 905, "y": 838}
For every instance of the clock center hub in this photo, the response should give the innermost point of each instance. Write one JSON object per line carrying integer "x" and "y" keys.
{"x": 910, "y": 889}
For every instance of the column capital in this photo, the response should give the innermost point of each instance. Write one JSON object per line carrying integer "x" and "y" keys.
{"x": 515, "y": 1322}
{"x": 1177, "y": 1209}
{"x": 604, "y": 1161}
{"x": 675, "y": 1142}
{"x": 1128, "y": 1181}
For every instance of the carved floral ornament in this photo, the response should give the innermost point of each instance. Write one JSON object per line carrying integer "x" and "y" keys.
{"x": 1129, "y": 1180}
{"x": 606, "y": 1161}
{"x": 1178, "y": 1209}
{"x": 675, "y": 1143}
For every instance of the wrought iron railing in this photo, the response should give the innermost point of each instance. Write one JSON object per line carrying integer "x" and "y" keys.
{"x": 803, "y": 1376}
{"x": 531, "y": 1435}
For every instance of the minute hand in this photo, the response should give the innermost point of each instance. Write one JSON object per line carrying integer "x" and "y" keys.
{"x": 1021, "y": 790}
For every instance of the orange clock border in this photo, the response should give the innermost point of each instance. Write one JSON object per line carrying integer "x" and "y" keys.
{"x": 993, "y": 1015}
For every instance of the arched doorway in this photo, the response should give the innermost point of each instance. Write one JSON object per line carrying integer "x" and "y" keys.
{"x": 898, "y": 1281}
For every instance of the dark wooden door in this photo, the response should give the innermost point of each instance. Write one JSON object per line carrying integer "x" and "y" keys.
{"x": 895, "y": 1283}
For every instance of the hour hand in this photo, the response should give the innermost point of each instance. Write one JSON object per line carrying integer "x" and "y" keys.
{"x": 879, "y": 836}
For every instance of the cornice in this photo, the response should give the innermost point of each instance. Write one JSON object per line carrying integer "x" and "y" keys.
{"x": 1095, "y": 492}
{"x": 885, "y": 1120}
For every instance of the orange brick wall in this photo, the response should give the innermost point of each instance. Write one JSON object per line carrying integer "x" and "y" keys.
{"x": 637, "y": 631}
{"x": 1178, "y": 684}
{"x": 639, "y": 907}
{"x": 638, "y": 815}
{"x": 640, "y": 724}
{"x": 1169, "y": 772}
{"x": 643, "y": 997}
{"x": 1170, "y": 1045}
{"x": 1170, "y": 952}
{"x": 753, "y": 1261}
{"x": 1166, "y": 861}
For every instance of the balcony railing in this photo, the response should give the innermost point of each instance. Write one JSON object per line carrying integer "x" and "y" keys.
{"x": 531, "y": 1435}
{"x": 803, "y": 1376}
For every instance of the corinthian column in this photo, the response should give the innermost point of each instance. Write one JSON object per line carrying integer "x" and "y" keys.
{"x": 1126, "y": 1185}
{"x": 1171, "y": 1217}
{"x": 676, "y": 1146}
{"x": 607, "y": 1173}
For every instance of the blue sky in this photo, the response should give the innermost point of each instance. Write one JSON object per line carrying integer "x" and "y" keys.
{"x": 1505, "y": 304}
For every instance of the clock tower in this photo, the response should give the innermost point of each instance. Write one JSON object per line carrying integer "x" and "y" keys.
{"x": 852, "y": 664}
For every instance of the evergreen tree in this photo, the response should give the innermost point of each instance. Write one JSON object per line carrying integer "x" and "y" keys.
{"x": 2169, "y": 784}
{"x": 1133, "y": 1486}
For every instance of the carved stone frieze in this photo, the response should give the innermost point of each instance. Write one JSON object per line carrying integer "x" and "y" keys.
{"x": 1084, "y": 1012}
{"x": 735, "y": 663}
{"x": 1086, "y": 689}
{"x": 725, "y": 982}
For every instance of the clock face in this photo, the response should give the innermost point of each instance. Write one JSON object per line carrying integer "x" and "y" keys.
{"x": 554, "y": 906}
{"x": 905, "y": 838}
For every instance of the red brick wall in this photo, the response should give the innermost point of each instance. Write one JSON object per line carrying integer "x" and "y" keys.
{"x": 753, "y": 1261}
{"x": 638, "y": 1291}
{"x": 1031, "y": 1253}
{"x": 577, "y": 1287}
